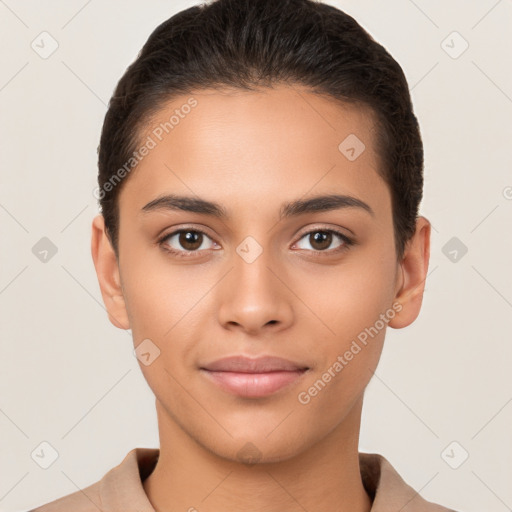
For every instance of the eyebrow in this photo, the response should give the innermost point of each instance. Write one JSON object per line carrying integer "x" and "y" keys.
{"x": 292, "y": 209}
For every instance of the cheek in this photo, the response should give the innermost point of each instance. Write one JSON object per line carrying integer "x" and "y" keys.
{"x": 147, "y": 306}
{"x": 158, "y": 295}
{"x": 356, "y": 307}
{"x": 351, "y": 298}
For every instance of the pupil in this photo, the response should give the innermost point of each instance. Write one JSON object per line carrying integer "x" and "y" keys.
{"x": 188, "y": 240}
{"x": 323, "y": 238}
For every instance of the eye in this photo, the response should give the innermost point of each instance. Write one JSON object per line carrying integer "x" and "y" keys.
{"x": 321, "y": 239}
{"x": 184, "y": 242}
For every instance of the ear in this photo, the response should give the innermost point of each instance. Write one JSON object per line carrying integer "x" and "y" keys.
{"x": 107, "y": 270}
{"x": 414, "y": 267}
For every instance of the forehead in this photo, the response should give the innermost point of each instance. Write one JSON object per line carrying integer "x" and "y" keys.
{"x": 260, "y": 115}
{"x": 256, "y": 146}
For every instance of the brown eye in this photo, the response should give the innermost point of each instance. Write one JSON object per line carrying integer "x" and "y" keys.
{"x": 189, "y": 240}
{"x": 183, "y": 242}
{"x": 320, "y": 240}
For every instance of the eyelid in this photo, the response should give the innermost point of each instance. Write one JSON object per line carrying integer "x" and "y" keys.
{"x": 191, "y": 227}
{"x": 323, "y": 227}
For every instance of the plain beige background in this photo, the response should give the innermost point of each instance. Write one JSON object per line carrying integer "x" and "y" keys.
{"x": 70, "y": 379}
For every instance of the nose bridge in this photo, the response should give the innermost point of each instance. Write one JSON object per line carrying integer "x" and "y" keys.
{"x": 252, "y": 275}
{"x": 252, "y": 263}
{"x": 253, "y": 295}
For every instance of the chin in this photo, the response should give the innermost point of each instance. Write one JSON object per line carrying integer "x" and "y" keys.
{"x": 258, "y": 448}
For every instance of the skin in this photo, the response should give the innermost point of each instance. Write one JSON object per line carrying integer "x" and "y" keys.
{"x": 250, "y": 152}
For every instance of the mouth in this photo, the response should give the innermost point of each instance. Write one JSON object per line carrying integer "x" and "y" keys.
{"x": 253, "y": 378}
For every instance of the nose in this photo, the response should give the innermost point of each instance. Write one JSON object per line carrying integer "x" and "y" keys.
{"x": 254, "y": 296}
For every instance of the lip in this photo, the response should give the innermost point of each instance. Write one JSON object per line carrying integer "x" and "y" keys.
{"x": 253, "y": 378}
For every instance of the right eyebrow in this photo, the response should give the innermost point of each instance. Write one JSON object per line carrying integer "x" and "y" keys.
{"x": 186, "y": 203}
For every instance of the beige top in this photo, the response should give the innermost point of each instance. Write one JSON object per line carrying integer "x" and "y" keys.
{"x": 121, "y": 490}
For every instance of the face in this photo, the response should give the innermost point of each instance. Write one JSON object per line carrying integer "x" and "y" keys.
{"x": 280, "y": 273}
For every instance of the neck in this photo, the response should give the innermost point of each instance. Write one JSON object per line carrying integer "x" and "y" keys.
{"x": 326, "y": 476}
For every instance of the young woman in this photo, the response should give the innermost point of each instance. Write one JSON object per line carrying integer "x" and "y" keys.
{"x": 260, "y": 174}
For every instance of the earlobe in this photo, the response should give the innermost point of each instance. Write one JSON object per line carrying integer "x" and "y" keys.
{"x": 107, "y": 271}
{"x": 414, "y": 268}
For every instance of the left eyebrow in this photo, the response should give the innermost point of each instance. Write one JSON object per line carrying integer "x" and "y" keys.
{"x": 323, "y": 204}
{"x": 291, "y": 209}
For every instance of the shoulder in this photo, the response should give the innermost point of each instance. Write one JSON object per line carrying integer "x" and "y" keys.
{"x": 389, "y": 490}
{"x": 120, "y": 488}
{"x": 84, "y": 500}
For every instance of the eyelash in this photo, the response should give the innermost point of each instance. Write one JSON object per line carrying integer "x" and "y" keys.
{"x": 190, "y": 254}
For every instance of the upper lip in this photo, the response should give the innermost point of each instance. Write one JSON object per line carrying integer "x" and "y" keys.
{"x": 245, "y": 364}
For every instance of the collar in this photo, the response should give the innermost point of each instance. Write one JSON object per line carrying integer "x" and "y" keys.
{"x": 121, "y": 488}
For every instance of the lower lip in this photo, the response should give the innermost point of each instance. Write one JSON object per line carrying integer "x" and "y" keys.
{"x": 253, "y": 385}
